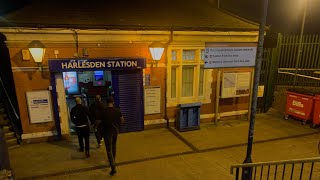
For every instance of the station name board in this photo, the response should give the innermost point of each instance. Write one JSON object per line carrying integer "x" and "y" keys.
{"x": 61, "y": 65}
{"x": 109, "y": 64}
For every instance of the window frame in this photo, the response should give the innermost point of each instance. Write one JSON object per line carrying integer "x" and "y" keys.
{"x": 197, "y": 63}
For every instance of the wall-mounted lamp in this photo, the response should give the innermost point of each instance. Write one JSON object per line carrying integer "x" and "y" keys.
{"x": 37, "y": 50}
{"x": 156, "y": 49}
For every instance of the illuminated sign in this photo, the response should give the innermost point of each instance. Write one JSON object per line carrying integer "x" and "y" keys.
{"x": 86, "y": 64}
{"x": 61, "y": 65}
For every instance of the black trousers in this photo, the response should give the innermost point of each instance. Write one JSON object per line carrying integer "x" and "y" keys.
{"x": 83, "y": 133}
{"x": 110, "y": 141}
{"x": 99, "y": 133}
{"x": 4, "y": 155}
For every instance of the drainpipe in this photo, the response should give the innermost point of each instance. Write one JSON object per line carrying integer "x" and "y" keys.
{"x": 165, "y": 79}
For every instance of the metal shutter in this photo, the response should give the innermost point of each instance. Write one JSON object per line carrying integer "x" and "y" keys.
{"x": 128, "y": 95}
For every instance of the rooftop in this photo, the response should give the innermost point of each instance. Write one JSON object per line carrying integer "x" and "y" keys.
{"x": 126, "y": 15}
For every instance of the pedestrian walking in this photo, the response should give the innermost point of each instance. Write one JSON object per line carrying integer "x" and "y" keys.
{"x": 96, "y": 109}
{"x": 111, "y": 126}
{"x": 79, "y": 117}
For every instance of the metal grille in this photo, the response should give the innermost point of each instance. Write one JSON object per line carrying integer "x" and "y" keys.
{"x": 128, "y": 96}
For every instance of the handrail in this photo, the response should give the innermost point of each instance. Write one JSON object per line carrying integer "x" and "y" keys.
{"x": 5, "y": 91}
{"x": 300, "y": 75}
{"x": 293, "y": 161}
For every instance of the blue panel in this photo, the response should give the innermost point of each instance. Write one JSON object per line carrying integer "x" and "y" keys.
{"x": 184, "y": 118}
{"x": 128, "y": 94}
{"x": 188, "y": 116}
{"x": 55, "y": 103}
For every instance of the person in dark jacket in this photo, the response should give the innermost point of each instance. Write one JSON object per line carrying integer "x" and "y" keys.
{"x": 112, "y": 118}
{"x": 79, "y": 117}
{"x": 96, "y": 109}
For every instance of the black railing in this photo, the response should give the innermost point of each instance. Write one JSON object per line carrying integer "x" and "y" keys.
{"x": 308, "y": 168}
{"x": 11, "y": 112}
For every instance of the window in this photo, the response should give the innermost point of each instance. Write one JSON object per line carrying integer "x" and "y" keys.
{"x": 188, "y": 55}
{"x": 202, "y": 55}
{"x": 187, "y": 76}
{"x": 173, "y": 82}
{"x": 187, "y": 81}
{"x": 173, "y": 55}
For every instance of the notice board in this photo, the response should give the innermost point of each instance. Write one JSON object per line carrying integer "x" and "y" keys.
{"x": 226, "y": 55}
{"x": 152, "y": 98}
{"x": 235, "y": 84}
{"x": 39, "y": 106}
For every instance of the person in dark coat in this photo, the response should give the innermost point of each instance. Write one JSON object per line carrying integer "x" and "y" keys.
{"x": 79, "y": 117}
{"x": 111, "y": 127}
{"x": 96, "y": 109}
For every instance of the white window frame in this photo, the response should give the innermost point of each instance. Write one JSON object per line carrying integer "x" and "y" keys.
{"x": 179, "y": 63}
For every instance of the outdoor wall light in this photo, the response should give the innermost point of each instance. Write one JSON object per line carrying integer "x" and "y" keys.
{"x": 37, "y": 50}
{"x": 156, "y": 49}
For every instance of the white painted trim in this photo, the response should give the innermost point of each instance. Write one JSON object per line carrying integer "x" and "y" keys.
{"x": 202, "y": 116}
{"x": 157, "y": 121}
{"x": 122, "y": 32}
{"x": 233, "y": 113}
{"x": 207, "y": 116}
{"x": 38, "y": 134}
{"x": 156, "y": 65}
{"x": 25, "y": 69}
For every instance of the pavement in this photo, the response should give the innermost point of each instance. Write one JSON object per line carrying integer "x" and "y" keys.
{"x": 166, "y": 153}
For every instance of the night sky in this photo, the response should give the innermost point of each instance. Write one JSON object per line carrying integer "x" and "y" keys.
{"x": 284, "y": 16}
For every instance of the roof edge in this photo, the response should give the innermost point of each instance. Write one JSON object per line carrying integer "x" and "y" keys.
{"x": 124, "y": 27}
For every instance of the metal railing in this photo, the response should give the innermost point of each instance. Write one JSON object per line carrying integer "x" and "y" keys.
{"x": 11, "y": 112}
{"x": 308, "y": 168}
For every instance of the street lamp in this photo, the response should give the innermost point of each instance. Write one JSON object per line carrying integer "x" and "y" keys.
{"x": 37, "y": 50}
{"x": 156, "y": 49}
{"x": 300, "y": 42}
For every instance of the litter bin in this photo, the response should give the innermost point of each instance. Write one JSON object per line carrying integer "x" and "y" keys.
{"x": 299, "y": 104}
{"x": 316, "y": 111}
{"x": 188, "y": 117}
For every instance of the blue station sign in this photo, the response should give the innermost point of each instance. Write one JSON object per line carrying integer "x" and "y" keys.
{"x": 61, "y": 65}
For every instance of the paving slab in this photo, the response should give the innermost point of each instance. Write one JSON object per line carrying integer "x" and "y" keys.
{"x": 164, "y": 153}
{"x": 60, "y": 156}
{"x": 268, "y": 126}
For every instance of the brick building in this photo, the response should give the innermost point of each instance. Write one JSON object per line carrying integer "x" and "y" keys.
{"x": 94, "y": 30}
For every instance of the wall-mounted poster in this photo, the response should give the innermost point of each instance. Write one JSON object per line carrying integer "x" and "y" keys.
{"x": 39, "y": 106}
{"x": 152, "y": 99}
{"x": 70, "y": 81}
{"x": 235, "y": 84}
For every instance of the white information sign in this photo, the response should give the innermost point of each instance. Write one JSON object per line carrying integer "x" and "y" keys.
{"x": 260, "y": 91}
{"x": 39, "y": 106}
{"x": 235, "y": 84}
{"x": 224, "y": 55}
{"x": 152, "y": 99}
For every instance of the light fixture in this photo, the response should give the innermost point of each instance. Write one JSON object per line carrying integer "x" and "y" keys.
{"x": 37, "y": 50}
{"x": 156, "y": 49}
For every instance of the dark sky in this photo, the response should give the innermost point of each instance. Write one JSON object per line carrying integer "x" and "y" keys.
{"x": 284, "y": 16}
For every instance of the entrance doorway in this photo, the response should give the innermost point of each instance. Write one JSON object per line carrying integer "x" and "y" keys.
{"x": 86, "y": 85}
{"x": 121, "y": 78}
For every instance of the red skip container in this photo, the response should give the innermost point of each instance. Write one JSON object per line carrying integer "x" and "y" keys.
{"x": 316, "y": 112}
{"x": 299, "y": 106}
